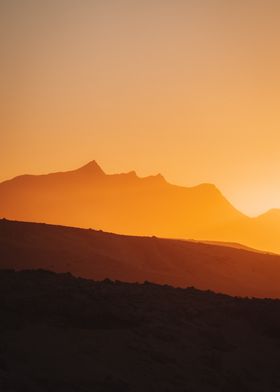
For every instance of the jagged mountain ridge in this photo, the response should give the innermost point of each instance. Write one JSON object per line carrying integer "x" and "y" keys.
{"x": 125, "y": 203}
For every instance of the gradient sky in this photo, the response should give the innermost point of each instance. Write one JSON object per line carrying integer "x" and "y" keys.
{"x": 190, "y": 89}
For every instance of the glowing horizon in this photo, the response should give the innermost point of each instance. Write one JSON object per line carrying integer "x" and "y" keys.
{"x": 185, "y": 89}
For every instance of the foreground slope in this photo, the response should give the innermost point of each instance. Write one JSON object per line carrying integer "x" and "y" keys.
{"x": 127, "y": 204}
{"x": 60, "y": 333}
{"x": 98, "y": 255}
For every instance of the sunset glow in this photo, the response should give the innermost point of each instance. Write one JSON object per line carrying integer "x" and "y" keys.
{"x": 186, "y": 88}
{"x": 140, "y": 195}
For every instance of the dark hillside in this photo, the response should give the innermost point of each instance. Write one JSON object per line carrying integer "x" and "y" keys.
{"x": 99, "y": 255}
{"x": 64, "y": 334}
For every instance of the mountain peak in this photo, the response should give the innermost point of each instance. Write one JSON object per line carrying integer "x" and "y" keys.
{"x": 157, "y": 179}
{"x": 91, "y": 167}
{"x": 272, "y": 213}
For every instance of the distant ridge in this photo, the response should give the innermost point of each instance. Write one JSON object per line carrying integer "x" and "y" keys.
{"x": 273, "y": 213}
{"x": 126, "y": 203}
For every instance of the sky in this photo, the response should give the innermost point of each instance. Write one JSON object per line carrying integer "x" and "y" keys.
{"x": 187, "y": 88}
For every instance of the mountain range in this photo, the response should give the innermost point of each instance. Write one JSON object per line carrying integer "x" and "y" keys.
{"x": 127, "y": 204}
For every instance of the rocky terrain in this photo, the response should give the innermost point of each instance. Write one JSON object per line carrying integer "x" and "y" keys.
{"x": 61, "y": 333}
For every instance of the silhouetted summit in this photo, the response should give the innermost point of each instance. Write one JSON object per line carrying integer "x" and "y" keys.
{"x": 128, "y": 204}
{"x": 123, "y": 203}
{"x": 91, "y": 168}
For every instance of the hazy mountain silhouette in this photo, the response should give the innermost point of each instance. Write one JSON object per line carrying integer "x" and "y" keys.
{"x": 98, "y": 255}
{"x": 63, "y": 334}
{"x": 125, "y": 203}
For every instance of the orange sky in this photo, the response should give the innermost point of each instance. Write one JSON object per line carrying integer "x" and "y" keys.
{"x": 187, "y": 88}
